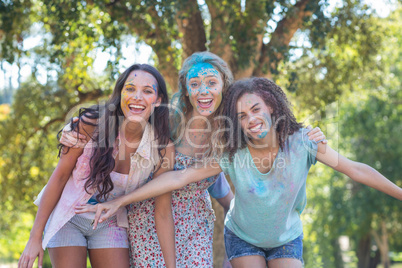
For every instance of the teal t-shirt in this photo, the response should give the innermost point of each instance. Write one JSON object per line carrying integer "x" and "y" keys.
{"x": 266, "y": 209}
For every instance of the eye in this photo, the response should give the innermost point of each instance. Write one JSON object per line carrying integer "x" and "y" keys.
{"x": 241, "y": 117}
{"x": 148, "y": 91}
{"x": 256, "y": 110}
{"x": 129, "y": 88}
{"x": 212, "y": 83}
{"x": 193, "y": 84}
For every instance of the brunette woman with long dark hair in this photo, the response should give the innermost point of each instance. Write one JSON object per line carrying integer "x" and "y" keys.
{"x": 125, "y": 148}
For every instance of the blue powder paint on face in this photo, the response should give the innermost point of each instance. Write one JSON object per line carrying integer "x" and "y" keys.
{"x": 155, "y": 89}
{"x": 262, "y": 134}
{"x": 201, "y": 68}
{"x": 268, "y": 124}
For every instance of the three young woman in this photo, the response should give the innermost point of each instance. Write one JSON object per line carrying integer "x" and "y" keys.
{"x": 268, "y": 165}
{"x": 204, "y": 80}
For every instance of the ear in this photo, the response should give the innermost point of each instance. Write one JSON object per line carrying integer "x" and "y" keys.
{"x": 186, "y": 93}
{"x": 270, "y": 109}
{"x": 158, "y": 102}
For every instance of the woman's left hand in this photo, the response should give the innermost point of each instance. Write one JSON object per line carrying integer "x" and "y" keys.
{"x": 316, "y": 134}
{"x": 103, "y": 211}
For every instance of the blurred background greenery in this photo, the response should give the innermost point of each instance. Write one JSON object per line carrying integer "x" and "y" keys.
{"x": 339, "y": 61}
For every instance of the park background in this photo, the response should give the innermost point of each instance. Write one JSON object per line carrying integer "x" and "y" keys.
{"x": 340, "y": 62}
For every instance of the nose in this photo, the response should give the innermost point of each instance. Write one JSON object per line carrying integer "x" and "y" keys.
{"x": 137, "y": 95}
{"x": 251, "y": 120}
{"x": 204, "y": 90}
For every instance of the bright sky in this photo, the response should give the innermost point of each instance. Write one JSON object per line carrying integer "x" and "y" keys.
{"x": 131, "y": 51}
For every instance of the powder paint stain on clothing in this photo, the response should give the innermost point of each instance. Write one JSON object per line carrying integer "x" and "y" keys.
{"x": 260, "y": 188}
{"x": 281, "y": 185}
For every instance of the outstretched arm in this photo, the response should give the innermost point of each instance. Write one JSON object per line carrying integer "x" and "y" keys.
{"x": 357, "y": 171}
{"x": 164, "y": 183}
{"x": 169, "y": 181}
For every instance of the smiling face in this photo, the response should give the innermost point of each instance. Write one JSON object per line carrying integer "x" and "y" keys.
{"x": 204, "y": 88}
{"x": 139, "y": 96}
{"x": 254, "y": 116}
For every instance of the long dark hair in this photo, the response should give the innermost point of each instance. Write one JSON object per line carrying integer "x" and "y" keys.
{"x": 109, "y": 118}
{"x": 283, "y": 118}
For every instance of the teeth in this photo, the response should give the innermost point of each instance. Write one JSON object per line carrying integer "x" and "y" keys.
{"x": 136, "y": 106}
{"x": 205, "y": 101}
{"x": 256, "y": 128}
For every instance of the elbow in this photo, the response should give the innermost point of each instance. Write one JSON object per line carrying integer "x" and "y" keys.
{"x": 163, "y": 216}
{"x": 359, "y": 172}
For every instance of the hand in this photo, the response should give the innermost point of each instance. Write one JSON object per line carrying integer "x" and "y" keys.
{"x": 71, "y": 138}
{"x": 32, "y": 250}
{"x": 316, "y": 134}
{"x": 103, "y": 211}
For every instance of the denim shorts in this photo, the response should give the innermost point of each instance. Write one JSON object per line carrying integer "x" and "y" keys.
{"x": 237, "y": 247}
{"x": 78, "y": 232}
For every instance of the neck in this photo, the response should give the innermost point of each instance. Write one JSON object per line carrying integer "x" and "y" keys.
{"x": 132, "y": 131}
{"x": 196, "y": 121}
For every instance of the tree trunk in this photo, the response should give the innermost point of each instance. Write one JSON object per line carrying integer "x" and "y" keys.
{"x": 376, "y": 260}
{"x": 218, "y": 244}
{"x": 338, "y": 263}
{"x": 363, "y": 251}
{"x": 273, "y": 52}
{"x": 191, "y": 26}
{"x": 382, "y": 243}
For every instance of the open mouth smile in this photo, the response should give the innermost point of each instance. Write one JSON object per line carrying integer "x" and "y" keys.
{"x": 136, "y": 108}
{"x": 205, "y": 103}
{"x": 256, "y": 128}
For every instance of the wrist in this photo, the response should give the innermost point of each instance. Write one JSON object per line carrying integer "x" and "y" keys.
{"x": 35, "y": 236}
{"x": 121, "y": 202}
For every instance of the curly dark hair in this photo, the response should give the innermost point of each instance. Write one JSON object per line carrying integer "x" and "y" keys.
{"x": 283, "y": 118}
{"x": 111, "y": 117}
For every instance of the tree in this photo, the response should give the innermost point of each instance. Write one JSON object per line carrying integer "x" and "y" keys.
{"x": 237, "y": 31}
{"x": 368, "y": 119}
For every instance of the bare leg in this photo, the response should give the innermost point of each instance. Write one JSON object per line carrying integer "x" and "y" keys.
{"x": 109, "y": 257}
{"x": 68, "y": 257}
{"x": 254, "y": 261}
{"x": 285, "y": 263}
